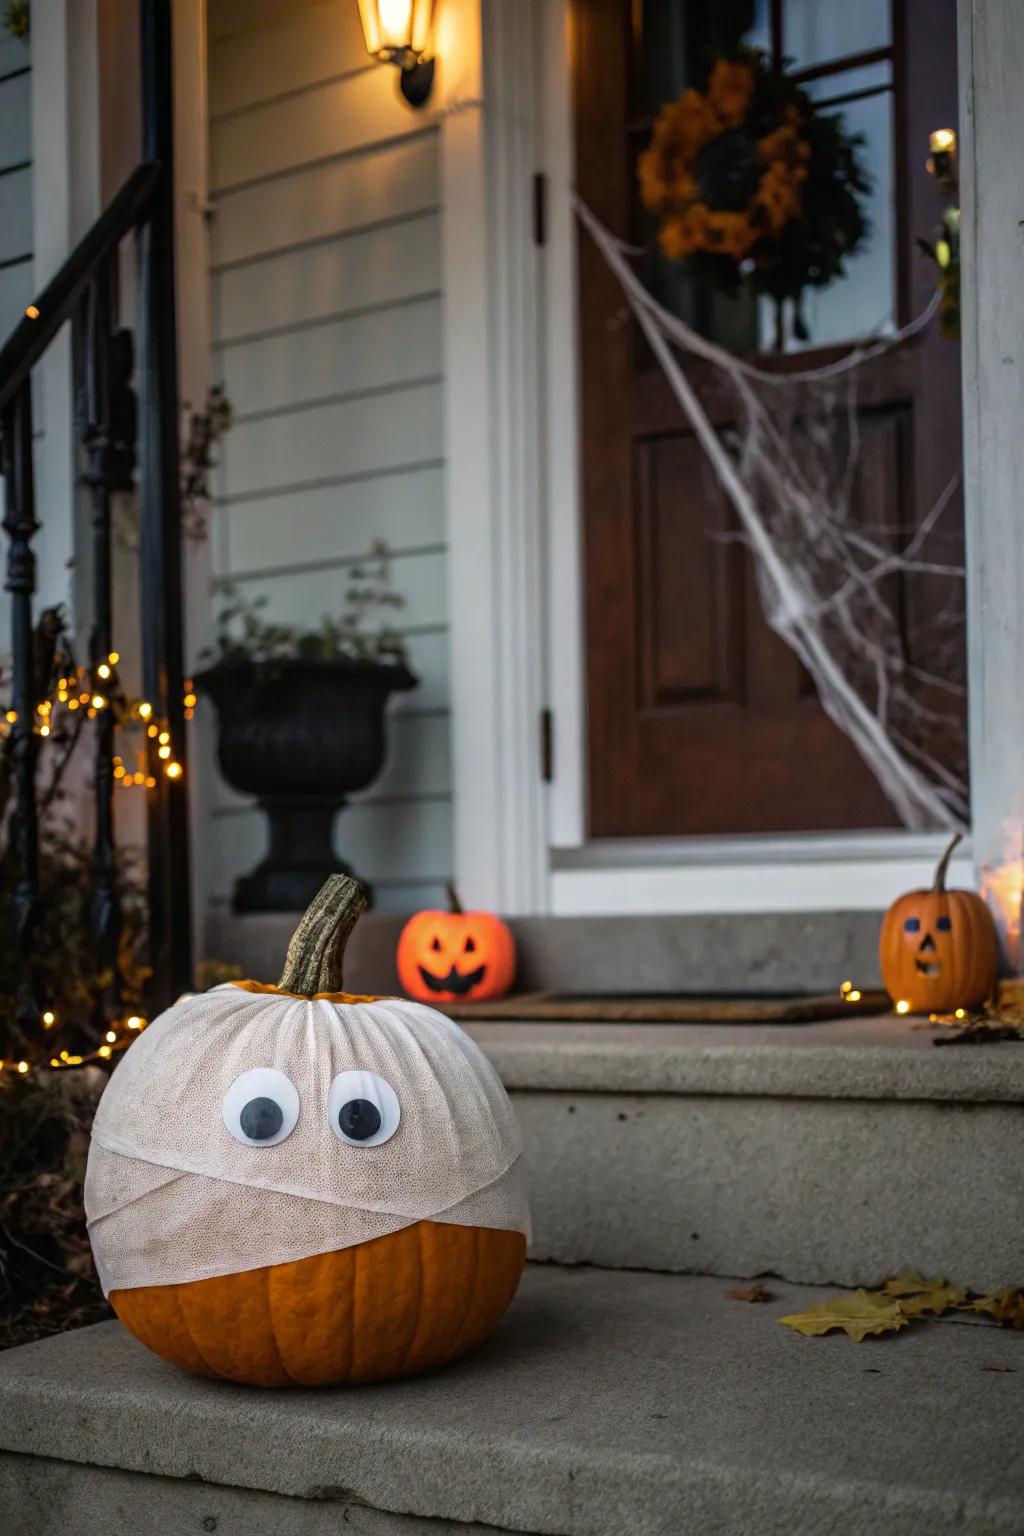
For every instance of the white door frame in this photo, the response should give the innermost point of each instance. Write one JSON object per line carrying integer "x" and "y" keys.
{"x": 516, "y": 538}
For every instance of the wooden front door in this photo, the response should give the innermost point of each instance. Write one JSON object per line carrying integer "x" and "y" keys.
{"x": 700, "y": 719}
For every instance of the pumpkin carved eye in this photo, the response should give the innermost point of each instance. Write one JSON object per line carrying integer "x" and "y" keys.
{"x": 261, "y": 1107}
{"x": 944, "y": 924}
{"x": 363, "y": 1109}
{"x": 912, "y": 925}
{"x": 470, "y": 945}
{"x": 436, "y": 944}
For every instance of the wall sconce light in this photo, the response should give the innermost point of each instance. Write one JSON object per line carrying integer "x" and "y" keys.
{"x": 398, "y": 32}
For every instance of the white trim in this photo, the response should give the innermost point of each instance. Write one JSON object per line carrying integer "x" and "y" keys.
{"x": 566, "y": 673}
{"x": 855, "y": 872}
{"x": 493, "y": 453}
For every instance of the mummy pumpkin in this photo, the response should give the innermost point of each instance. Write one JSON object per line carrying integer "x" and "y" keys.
{"x": 293, "y": 1184}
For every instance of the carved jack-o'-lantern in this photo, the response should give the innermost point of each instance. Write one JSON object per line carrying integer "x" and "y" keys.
{"x": 456, "y": 956}
{"x": 292, "y": 1184}
{"x": 938, "y": 949}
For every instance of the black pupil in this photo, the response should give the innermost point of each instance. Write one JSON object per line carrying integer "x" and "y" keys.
{"x": 261, "y": 1119}
{"x": 359, "y": 1119}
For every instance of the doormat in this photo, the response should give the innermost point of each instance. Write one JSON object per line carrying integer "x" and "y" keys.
{"x": 667, "y": 1008}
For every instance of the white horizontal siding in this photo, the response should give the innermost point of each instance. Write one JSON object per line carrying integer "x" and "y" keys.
{"x": 339, "y": 521}
{"x": 326, "y": 200}
{"x": 326, "y": 304}
{"x": 344, "y": 276}
{"x": 15, "y": 214}
{"x": 335, "y": 357}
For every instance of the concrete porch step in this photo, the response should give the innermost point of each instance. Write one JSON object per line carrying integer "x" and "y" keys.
{"x": 829, "y": 1153}
{"x": 607, "y": 1404}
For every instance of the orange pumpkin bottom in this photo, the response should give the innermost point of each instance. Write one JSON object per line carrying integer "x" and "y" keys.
{"x": 398, "y": 1304}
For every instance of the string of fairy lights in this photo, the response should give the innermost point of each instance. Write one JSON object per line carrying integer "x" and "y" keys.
{"x": 92, "y": 691}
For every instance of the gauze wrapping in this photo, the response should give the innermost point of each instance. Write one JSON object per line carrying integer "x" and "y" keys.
{"x": 172, "y": 1196}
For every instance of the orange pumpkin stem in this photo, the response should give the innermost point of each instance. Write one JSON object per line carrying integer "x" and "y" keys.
{"x": 454, "y": 904}
{"x": 316, "y": 951}
{"x": 942, "y": 867}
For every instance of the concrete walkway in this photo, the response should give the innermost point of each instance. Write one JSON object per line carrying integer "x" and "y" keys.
{"x": 608, "y": 1404}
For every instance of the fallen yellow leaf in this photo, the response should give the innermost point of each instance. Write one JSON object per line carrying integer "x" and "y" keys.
{"x": 1007, "y": 1306}
{"x": 909, "y": 1283}
{"x": 863, "y": 1313}
{"x": 938, "y": 1299}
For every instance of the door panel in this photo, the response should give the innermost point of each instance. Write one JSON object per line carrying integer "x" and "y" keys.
{"x": 701, "y": 720}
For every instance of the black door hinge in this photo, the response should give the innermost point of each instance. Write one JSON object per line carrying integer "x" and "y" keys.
{"x": 547, "y": 746}
{"x": 540, "y": 208}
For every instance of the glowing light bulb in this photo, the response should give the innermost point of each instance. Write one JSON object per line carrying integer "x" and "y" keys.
{"x": 114, "y": 658}
{"x": 32, "y": 313}
{"x": 49, "y": 1018}
{"x": 846, "y": 987}
{"x": 12, "y": 715}
{"x": 941, "y": 141}
{"x": 164, "y": 752}
{"x": 145, "y": 710}
{"x": 164, "y": 738}
{"x": 103, "y": 670}
{"x": 961, "y": 1013}
{"x": 104, "y": 1051}
{"x": 135, "y": 1022}
{"x": 23, "y": 1067}
{"x": 173, "y": 770}
{"x": 853, "y": 996}
{"x": 902, "y": 1006}
{"x": 110, "y": 1036}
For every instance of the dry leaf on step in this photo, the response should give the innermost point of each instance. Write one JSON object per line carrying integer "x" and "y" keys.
{"x": 938, "y": 1299}
{"x": 909, "y": 1283}
{"x": 1007, "y": 1306}
{"x": 858, "y": 1315}
{"x": 751, "y": 1293}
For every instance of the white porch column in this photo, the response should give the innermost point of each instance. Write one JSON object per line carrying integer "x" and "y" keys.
{"x": 992, "y": 178}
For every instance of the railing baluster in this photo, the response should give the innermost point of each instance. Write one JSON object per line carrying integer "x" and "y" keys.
{"x": 20, "y": 525}
{"x": 108, "y": 437}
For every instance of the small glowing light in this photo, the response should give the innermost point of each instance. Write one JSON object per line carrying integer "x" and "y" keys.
{"x": 853, "y": 996}
{"x": 44, "y": 707}
{"x": 98, "y": 701}
{"x": 54, "y": 1062}
{"x": 135, "y": 1022}
{"x": 83, "y": 698}
{"x": 151, "y": 782}
{"x": 23, "y": 1067}
{"x": 91, "y": 713}
{"x": 847, "y": 986}
{"x": 74, "y": 1061}
{"x": 140, "y": 778}
{"x": 103, "y": 670}
{"x": 961, "y": 1013}
{"x": 145, "y": 710}
{"x": 49, "y": 1018}
{"x": 32, "y": 313}
{"x": 104, "y": 1051}
{"x": 12, "y": 715}
{"x": 110, "y": 1036}
{"x": 64, "y": 1056}
{"x": 114, "y": 658}
{"x": 902, "y": 1006}
{"x": 152, "y": 731}
{"x": 173, "y": 770}
{"x": 119, "y": 771}
{"x": 44, "y": 730}
{"x": 72, "y": 703}
{"x": 190, "y": 701}
{"x": 163, "y": 752}
{"x": 164, "y": 738}
{"x": 941, "y": 141}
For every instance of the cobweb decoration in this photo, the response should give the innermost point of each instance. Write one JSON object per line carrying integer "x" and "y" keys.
{"x": 829, "y": 579}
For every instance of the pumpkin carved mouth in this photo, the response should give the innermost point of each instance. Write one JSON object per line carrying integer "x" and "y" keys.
{"x": 455, "y": 981}
{"x": 927, "y": 967}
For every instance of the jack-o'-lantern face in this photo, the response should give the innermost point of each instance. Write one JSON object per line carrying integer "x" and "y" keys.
{"x": 456, "y": 956}
{"x": 938, "y": 949}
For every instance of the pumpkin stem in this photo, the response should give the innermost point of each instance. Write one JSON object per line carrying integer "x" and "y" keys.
{"x": 316, "y": 950}
{"x": 454, "y": 904}
{"x": 943, "y": 864}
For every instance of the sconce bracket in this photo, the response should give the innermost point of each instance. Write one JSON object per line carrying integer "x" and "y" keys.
{"x": 416, "y": 82}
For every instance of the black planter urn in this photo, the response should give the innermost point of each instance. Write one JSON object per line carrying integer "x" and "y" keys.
{"x": 301, "y": 736}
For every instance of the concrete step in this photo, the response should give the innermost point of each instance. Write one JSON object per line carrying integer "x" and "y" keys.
{"x": 723, "y": 952}
{"x": 607, "y": 1404}
{"x": 829, "y": 1153}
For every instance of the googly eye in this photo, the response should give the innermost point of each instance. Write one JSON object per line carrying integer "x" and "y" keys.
{"x": 261, "y": 1107}
{"x": 363, "y": 1109}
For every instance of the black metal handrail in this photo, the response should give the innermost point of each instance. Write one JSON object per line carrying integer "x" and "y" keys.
{"x": 85, "y": 293}
{"x": 56, "y": 304}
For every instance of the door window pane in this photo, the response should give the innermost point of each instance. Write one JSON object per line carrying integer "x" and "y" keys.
{"x": 817, "y": 31}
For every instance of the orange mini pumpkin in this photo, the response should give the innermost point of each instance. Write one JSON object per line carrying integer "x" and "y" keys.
{"x": 938, "y": 949}
{"x": 456, "y": 956}
{"x": 294, "y": 1185}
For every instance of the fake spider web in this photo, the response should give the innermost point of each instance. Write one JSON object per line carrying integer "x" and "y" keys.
{"x": 832, "y": 583}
